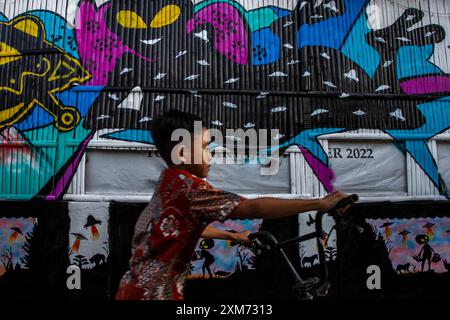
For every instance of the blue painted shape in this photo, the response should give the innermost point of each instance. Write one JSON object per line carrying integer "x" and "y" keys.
{"x": 280, "y": 12}
{"x": 308, "y": 140}
{"x": 419, "y": 150}
{"x": 330, "y": 32}
{"x": 80, "y": 97}
{"x": 37, "y": 118}
{"x": 357, "y": 49}
{"x": 3, "y": 17}
{"x": 266, "y": 39}
{"x": 437, "y": 115}
{"x": 56, "y": 26}
{"x": 412, "y": 61}
{"x": 421, "y": 153}
{"x": 135, "y": 135}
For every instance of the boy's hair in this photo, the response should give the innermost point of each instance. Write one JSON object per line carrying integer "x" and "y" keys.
{"x": 163, "y": 127}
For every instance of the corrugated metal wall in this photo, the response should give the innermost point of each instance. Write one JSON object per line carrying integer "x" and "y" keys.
{"x": 307, "y": 68}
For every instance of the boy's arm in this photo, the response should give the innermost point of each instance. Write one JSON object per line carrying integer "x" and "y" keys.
{"x": 271, "y": 208}
{"x": 214, "y": 233}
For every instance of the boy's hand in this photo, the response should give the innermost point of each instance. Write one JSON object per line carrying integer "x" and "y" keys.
{"x": 242, "y": 237}
{"x": 331, "y": 200}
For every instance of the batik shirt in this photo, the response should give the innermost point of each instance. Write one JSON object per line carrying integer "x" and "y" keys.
{"x": 167, "y": 233}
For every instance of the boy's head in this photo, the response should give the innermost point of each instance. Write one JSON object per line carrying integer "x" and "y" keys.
{"x": 191, "y": 155}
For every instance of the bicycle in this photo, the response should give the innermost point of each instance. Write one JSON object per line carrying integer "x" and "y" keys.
{"x": 304, "y": 289}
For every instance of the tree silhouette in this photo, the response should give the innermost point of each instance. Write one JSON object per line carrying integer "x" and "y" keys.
{"x": 80, "y": 260}
{"x": 27, "y": 260}
{"x": 242, "y": 253}
{"x": 7, "y": 259}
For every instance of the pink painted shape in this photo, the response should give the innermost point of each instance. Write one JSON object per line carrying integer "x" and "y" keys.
{"x": 425, "y": 85}
{"x": 99, "y": 48}
{"x": 66, "y": 177}
{"x": 325, "y": 174}
{"x": 229, "y": 25}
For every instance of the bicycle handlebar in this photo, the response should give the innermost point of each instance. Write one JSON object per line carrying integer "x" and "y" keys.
{"x": 264, "y": 241}
{"x": 342, "y": 203}
{"x": 346, "y": 201}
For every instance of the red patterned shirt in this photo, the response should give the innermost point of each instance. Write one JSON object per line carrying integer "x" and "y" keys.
{"x": 167, "y": 233}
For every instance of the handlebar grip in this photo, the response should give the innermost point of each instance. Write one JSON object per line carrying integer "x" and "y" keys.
{"x": 346, "y": 201}
{"x": 252, "y": 236}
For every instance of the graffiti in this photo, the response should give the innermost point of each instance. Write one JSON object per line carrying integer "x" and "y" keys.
{"x": 415, "y": 245}
{"x": 14, "y": 235}
{"x": 29, "y": 266}
{"x": 308, "y": 68}
{"x": 24, "y": 72}
{"x": 220, "y": 258}
{"x": 88, "y": 238}
{"x": 203, "y": 254}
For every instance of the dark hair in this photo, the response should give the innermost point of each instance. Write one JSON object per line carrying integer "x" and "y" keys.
{"x": 163, "y": 127}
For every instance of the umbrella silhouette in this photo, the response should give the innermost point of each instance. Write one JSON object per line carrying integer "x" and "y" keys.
{"x": 92, "y": 222}
{"x": 404, "y": 233}
{"x": 429, "y": 227}
{"x": 76, "y": 244}
{"x": 14, "y": 235}
{"x": 387, "y": 229}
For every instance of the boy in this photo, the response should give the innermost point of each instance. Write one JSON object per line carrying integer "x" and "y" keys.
{"x": 182, "y": 206}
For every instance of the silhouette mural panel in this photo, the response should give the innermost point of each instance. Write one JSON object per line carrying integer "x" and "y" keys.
{"x": 416, "y": 245}
{"x": 222, "y": 258}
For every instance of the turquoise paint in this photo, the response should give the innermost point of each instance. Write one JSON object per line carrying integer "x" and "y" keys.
{"x": 143, "y": 136}
{"x": 412, "y": 61}
{"x": 51, "y": 150}
{"x": 357, "y": 49}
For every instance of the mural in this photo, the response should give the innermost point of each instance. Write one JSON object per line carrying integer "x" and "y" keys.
{"x": 51, "y": 70}
{"x": 308, "y": 249}
{"x": 88, "y": 238}
{"x": 221, "y": 258}
{"x": 416, "y": 245}
{"x": 33, "y": 254}
{"x": 14, "y": 236}
{"x": 307, "y": 68}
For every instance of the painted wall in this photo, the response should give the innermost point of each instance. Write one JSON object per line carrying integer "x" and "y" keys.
{"x": 72, "y": 68}
{"x": 39, "y": 240}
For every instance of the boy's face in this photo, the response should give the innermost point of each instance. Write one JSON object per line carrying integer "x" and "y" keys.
{"x": 199, "y": 150}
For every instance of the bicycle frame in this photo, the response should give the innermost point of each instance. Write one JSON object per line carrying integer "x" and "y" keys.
{"x": 264, "y": 241}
